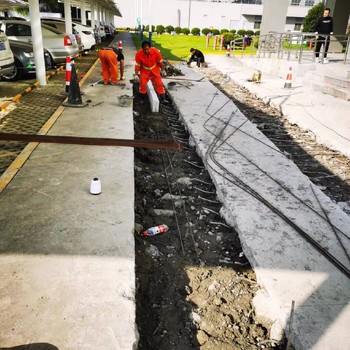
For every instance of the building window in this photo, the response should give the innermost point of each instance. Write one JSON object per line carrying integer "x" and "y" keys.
{"x": 257, "y": 25}
{"x": 309, "y": 2}
{"x": 297, "y": 27}
{"x": 295, "y": 2}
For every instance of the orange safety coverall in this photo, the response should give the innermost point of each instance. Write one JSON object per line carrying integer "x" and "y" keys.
{"x": 149, "y": 67}
{"x": 109, "y": 65}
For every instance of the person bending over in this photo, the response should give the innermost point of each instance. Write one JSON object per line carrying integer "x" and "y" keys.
{"x": 197, "y": 56}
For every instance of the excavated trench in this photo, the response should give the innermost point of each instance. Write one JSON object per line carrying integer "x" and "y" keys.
{"x": 194, "y": 285}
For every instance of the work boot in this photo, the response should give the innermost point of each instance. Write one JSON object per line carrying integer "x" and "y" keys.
{"x": 162, "y": 99}
{"x": 143, "y": 98}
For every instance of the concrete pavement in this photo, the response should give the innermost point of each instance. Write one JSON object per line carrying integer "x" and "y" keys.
{"x": 67, "y": 257}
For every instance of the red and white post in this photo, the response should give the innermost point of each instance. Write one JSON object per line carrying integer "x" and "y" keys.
{"x": 68, "y": 73}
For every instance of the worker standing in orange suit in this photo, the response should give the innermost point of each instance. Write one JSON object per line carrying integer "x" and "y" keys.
{"x": 109, "y": 62}
{"x": 148, "y": 65}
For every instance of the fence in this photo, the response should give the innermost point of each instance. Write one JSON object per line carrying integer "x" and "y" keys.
{"x": 293, "y": 46}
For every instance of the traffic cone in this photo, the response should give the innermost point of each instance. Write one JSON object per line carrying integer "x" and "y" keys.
{"x": 120, "y": 45}
{"x": 288, "y": 82}
{"x": 74, "y": 95}
{"x": 228, "y": 51}
{"x": 68, "y": 74}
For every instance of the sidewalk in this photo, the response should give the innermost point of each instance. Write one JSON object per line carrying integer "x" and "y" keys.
{"x": 67, "y": 257}
{"x": 325, "y": 116}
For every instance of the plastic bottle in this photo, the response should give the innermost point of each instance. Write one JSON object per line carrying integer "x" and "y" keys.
{"x": 155, "y": 230}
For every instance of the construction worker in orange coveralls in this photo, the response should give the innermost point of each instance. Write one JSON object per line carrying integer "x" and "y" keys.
{"x": 108, "y": 57}
{"x": 148, "y": 64}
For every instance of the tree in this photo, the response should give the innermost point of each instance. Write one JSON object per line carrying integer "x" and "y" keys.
{"x": 160, "y": 29}
{"x": 312, "y": 16}
{"x": 216, "y": 31}
{"x": 196, "y": 31}
{"x": 177, "y": 30}
{"x": 223, "y": 31}
{"x": 241, "y": 32}
{"x": 44, "y": 6}
{"x": 233, "y": 31}
{"x": 205, "y": 31}
{"x": 169, "y": 29}
{"x": 185, "y": 31}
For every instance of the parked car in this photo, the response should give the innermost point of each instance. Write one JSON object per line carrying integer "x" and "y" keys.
{"x": 6, "y": 55}
{"x": 58, "y": 44}
{"x": 24, "y": 60}
{"x": 87, "y": 35}
{"x": 109, "y": 30}
{"x": 60, "y": 25}
{"x": 99, "y": 32}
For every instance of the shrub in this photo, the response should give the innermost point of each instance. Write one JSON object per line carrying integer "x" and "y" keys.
{"x": 241, "y": 32}
{"x": 233, "y": 31}
{"x": 223, "y": 31}
{"x": 205, "y": 31}
{"x": 250, "y": 32}
{"x": 196, "y": 31}
{"x": 177, "y": 30}
{"x": 256, "y": 43}
{"x": 169, "y": 29}
{"x": 228, "y": 37}
{"x": 160, "y": 29}
{"x": 147, "y": 28}
{"x": 185, "y": 31}
{"x": 312, "y": 16}
{"x": 257, "y": 32}
{"x": 216, "y": 31}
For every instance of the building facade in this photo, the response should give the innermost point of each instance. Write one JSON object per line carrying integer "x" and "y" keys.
{"x": 219, "y": 14}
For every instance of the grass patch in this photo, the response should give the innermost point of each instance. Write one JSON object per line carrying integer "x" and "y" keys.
{"x": 177, "y": 47}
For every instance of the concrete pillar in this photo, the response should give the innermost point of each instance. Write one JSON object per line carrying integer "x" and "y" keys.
{"x": 68, "y": 16}
{"x": 274, "y": 16}
{"x": 340, "y": 10}
{"x": 83, "y": 12}
{"x": 92, "y": 13}
{"x": 37, "y": 39}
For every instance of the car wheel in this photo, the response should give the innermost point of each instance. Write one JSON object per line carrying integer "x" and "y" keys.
{"x": 50, "y": 64}
{"x": 16, "y": 74}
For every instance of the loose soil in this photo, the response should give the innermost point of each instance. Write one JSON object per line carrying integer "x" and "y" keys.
{"x": 194, "y": 285}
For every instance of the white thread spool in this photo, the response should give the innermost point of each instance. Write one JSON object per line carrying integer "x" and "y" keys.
{"x": 95, "y": 187}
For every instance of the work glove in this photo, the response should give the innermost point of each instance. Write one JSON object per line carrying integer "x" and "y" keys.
{"x": 136, "y": 78}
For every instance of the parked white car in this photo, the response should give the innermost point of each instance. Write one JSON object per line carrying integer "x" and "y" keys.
{"x": 59, "y": 45}
{"x": 86, "y": 34}
{"x": 6, "y": 56}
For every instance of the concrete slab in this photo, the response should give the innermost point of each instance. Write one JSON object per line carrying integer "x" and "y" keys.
{"x": 270, "y": 203}
{"x": 67, "y": 257}
{"x": 327, "y": 117}
{"x": 152, "y": 97}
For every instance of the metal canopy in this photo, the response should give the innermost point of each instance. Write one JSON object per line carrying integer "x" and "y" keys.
{"x": 107, "y": 4}
{"x": 10, "y": 4}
